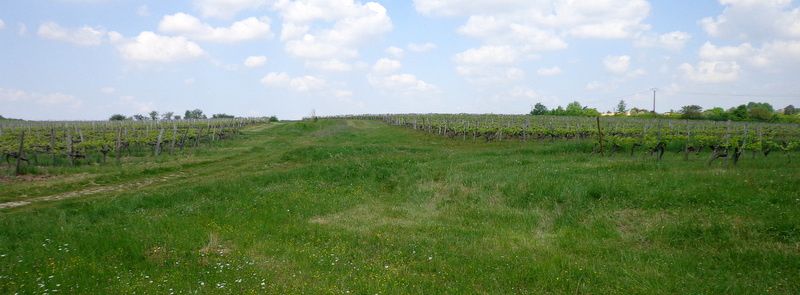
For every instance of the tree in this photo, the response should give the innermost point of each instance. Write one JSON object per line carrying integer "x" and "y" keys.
{"x": 539, "y": 109}
{"x": 117, "y": 117}
{"x": 153, "y": 115}
{"x": 273, "y": 119}
{"x": 194, "y": 114}
{"x": 139, "y": 117}
{"x": 789, "y": 110}
{"x": 167, "y": 116}
{"x": 574, "y": 109}
{"x": 176, "y": 117}
{"x": 622, "y": 107}
{"x": 691, "y": 112}
{"x": 222, "y": 116}
{"x": 716, "y": 114}
{"x": 760, "y": 111}
{"x": 738, "y": 113}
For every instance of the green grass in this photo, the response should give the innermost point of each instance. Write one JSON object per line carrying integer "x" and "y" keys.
{"x": 361, "y": 207}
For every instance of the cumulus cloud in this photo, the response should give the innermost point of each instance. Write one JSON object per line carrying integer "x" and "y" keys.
{"x": 672, "y": 41}
{"x": 297, "y": 84}
{"x": 2, "y": 24}
{"x": 513, "y": 31}
{"x": 754, "y": 20}
{"x": 55, "y": 99}
{"x": 226, "y": 9}
{"x": 400, "y": 83}
{"x": 385, "y": 66}
{"x": 421, "y": 47}
{"x": 395, "y": 52}
{"x": 83, "y": 36}
{"x": 553, "y": 71}
{"x": 330, "y": 30}
{"x": 712, "y": 71}
{"x": 186, "y": 25}
{"x": 255, "y": 61}
{"x": 151, "y": 47}
{"x": 329, "y": 65}
{"x": 617, "y": 64}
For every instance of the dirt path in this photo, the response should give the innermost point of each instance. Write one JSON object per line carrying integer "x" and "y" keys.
{"x": 93, "y": 190}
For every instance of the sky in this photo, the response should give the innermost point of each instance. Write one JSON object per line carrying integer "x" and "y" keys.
{"x": 88, "y": 59}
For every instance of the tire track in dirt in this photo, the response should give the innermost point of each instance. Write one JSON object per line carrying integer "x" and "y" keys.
{"x": 93, "y": 190}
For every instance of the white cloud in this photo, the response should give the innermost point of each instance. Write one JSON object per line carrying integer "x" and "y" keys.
{"x": 712, "y": 71}
{"x": 56, "y": 99}
{"x": 298, "y": 84}
{"x": 386, "y": 66}
{"x": 553, "y": 71}
{"x": 255, "y": 61}
{"x": 143, "y": 11}
{"x": 421, "y": 47}
{"x": 330, "y": 29}
{"x": 488, "y": 55}
{"x": 400, "y": 83}
{"x": 186, "y": 25}
{"x": 617, "y": 64}
{"x": 226, "y": 8}
{"x": 395, "y": 52}
{"x": 753, "y": 20}
{"x": 130, "y": 102}
{"x": 84, "y": 36}
{"x": 672, "y": 41}
{"x": 329, "y": 65}
{"x": 2, "y": 24}
{"x": 108, "y": 90}
{"x": 151, "y": 47}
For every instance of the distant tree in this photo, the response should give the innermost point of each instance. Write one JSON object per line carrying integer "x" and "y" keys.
{"x": 222, "y": 116}
{"x": 716, "y": 114}
{"x": 760, "y": 111}
{"x": 167, "y": 116}
{"x": 153, "y": 115}
{"x": 574, "y": 109}
{"x": 539, "y": 109}
{"x": 117, "y": 117}
{"x": 139, "y": 117}
{"x": 789, "y": 110}
{"x": 273, "y": 119}
{"x": 622, "y": 107}
{"x": 176, "y": 117}
{"x": 691, "y": 112}
{"x": 738, "y": 113}
{"x": 194, "y": 114}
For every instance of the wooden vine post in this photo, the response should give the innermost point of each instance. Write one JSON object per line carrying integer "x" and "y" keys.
{"x": 20, "y": 152}
{"x": 600, "y": 136}
{"x": 158, "y": 142}
{"x": 688, "y": 139}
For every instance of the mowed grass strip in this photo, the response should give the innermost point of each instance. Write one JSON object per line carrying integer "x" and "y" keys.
{"x": 361, "y": 207}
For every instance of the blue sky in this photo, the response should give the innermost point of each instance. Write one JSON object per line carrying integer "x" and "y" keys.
{"x": 88, "y": 59}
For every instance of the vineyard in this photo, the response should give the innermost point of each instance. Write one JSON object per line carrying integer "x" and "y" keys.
{"x": 611, "y": 135}
{"x": 25, "y": 143}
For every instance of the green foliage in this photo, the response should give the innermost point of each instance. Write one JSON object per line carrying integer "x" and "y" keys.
{"x": 692, "y": 112}
{"x": 222, "y": 116}
{"x": 194, "y": 114}
{"x": 622, "y": 107}
{"x": 273, "y": 119}
{"x": 539, "y": 109}
{"x": 789, "y": 110}
{"x": 117, "y": 117}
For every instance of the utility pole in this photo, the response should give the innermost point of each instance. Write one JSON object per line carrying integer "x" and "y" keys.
{"x": 654, "y": 99}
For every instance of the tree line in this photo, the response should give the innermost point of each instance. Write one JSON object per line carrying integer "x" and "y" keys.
{"x": 171, "y": 116}
{"x": 752, "y": 111}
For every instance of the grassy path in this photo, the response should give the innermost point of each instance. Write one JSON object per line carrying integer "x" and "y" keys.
{"x": 360, "y": 207}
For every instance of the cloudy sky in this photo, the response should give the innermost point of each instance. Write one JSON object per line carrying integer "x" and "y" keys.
{"x": 87, "y": 59}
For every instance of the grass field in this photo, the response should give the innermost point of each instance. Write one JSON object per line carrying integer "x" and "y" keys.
{"x": 362, "y": 207}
